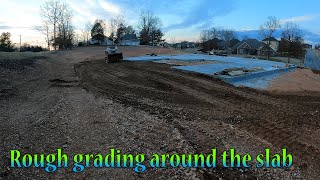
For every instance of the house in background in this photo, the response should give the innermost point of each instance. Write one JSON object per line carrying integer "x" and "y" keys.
{"x": 130, "y": 40}
{"x": 274, "y": 43}
{"x": 105, "y": 42}
{"x": 164, "y": 44}
{"x": 214, "y": 44}
{"x": 187, "y": 44}
{"x": 307, "y": 46}
{"x": 252, "y": 47}
{"x": 177, "y": 46}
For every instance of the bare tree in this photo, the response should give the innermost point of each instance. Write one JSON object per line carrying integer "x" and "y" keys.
{"x": 215, "y": 33}
{"x": 46, "y": 30}
{"x": 149, "y": 26}
{"x": 205, "y": 35}
{"x": 292, "y": 35}
{"x": 85, "y": 33}
{"x": 268, "y": 29}
{"x": 57, "y": 21}
{"x": 50, "y": 13}
{"x": 115, "y": 24}
{"x": 82, "y": 35}
{"x": 65, "y": 29}
{"x": 113, "y": 29}
{"x": 227, "y": 35}
{"x": 210, "y": 34}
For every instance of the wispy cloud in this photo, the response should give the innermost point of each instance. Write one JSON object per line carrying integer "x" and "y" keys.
{"x": 299, "y": 19}
{"x": 201, "y": 13}
{"x": 3, "y": 27}
{"x": 109, "y": 8}
{"x": 248, "y": 29}
{"x": 6, "y": 27}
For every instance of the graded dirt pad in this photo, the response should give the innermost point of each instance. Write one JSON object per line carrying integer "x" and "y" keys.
{"x": 75, "y": 101}
{"x": 195, "y": 105}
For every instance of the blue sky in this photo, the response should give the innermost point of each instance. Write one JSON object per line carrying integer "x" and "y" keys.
{"x": 181, "y": 19}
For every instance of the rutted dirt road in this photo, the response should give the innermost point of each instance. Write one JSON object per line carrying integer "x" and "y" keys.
{"x": 76, "y": 101}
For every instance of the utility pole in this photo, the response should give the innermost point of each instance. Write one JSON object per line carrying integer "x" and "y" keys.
{"x": 20, "y": 43}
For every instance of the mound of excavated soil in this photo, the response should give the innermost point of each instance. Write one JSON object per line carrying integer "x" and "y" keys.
{"x": 298, "y": 81}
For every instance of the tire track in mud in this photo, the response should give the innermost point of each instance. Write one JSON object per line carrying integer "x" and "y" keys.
{"x": 188, "y": 97}
{"x": 218, "y": 86}
{"x": 202, "y": 92}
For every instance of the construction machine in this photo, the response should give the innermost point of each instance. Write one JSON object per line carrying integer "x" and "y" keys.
{"x": 112, "y": 55}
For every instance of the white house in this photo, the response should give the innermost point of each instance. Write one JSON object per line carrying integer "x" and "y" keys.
{"x": 130, "y": 40}
{"x": 274, "y": 43}
{"x": 106, "y": 42}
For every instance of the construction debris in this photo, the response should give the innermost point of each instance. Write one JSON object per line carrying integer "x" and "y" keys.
{"x": 238, "y": 71}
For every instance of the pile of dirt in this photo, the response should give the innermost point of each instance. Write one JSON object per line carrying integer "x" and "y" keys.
{"x": 301, "y": 80}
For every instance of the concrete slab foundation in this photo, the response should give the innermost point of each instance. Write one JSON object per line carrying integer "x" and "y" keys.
{"x": 264, "y": 71}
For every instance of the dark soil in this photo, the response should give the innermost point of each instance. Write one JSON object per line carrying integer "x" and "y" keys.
{"x": 186, "y": 97}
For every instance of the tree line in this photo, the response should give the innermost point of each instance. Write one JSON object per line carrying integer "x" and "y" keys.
{"x": 149, "y": 29}
{"x": 57, "y": 27}
{"x": 57, "y": 24}
{"x": 7, "y": 46}
{"x": 56, "y": 17}
{"x": 218, "y": 38}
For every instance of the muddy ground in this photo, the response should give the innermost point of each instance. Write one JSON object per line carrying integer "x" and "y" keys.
{"x": 75, "y": 101}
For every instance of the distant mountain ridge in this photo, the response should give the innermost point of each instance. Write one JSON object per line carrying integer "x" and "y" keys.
{"x": 308, "y": 36}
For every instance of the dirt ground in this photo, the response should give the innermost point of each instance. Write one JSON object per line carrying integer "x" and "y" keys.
{"x": 75, "y": 101}
{"x": 301, "y": 80}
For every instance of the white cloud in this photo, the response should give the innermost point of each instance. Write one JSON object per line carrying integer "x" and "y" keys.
{"x": 91, "y": 3}
{"x": 249, "y": 29}
{"x": 110, "y": 8}
{"x": 82, "y": 13}
{"x": 299, "y": 19}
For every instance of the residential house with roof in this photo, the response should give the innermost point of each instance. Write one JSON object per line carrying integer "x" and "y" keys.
{"x": 105, "y": 42}
{"x": 130, "y": 40}
{"x": 307, "y": 46}
{"x": 274, "y": 43}
{"x": 252, "y": 47}
{"x": 187, "y": 44}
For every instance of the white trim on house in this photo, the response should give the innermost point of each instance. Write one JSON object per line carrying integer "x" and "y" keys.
{"x": 247, "y": 45}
